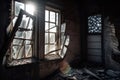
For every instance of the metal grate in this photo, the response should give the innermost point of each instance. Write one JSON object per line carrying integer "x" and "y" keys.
{"x": 94, "y": 24}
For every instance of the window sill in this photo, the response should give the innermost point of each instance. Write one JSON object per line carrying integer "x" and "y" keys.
{"x": 52, "y": 57}
{"x": 21, "y": 62}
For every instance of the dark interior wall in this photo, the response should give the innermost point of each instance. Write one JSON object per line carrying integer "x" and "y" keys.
{"x": 87, "y": 8}
{"x": 117, "y": 30}
{"x": 4, "y": 21}
{"x": 71, "y": 16}
{"x": 111, "y": 10}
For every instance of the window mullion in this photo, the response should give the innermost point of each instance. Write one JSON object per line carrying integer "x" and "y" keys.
{"x": 49, "y": 32}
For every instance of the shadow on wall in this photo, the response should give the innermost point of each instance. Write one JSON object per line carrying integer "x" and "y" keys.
{"x": 110, "y": 45}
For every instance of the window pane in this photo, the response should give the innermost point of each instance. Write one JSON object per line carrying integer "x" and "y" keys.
{"x": 28, "y": 35}
{"x": 46, "y": 37}
{"x": 52, "y": 37}
{"x": 52, "y": 16}
{"x": 17, "y": 42}
{"x": 56, "y": 18}
{"x": 15, "y": 50}
{"x": 23, "y": 34}
{"x": 30, "y": 8}
{"x": 46, "y": 49}
{"x": 52, "y": 27}
{"x": 46, "y": 26}
{"x": 24, "y": 22}
{"x": 28, "y": 50}
{"x": 46, "y": 15}
{"x": 27, "y": 42}
{"x": 63, "y": 52}
{"x": 18, "y": 6}
{"x": 52, "y": 47}
{"x": 67, "y": 40}
{"x": 20, "y": 34}
{"x": 62, "y": 39}
{"x": 30, "y": 26}
{"x": 63, "y": 27}
{"x": 21, "y": 52}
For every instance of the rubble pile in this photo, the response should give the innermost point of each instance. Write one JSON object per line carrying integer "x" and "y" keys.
{"x": 86, "y": 74}
{"x": 66, "y": 72}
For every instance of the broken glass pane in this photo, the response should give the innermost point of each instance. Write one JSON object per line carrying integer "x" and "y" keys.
{"x": 67, "y": 40}
{"x": 52, "y": 16}
{"x": 52, "y": 37}
{"x": 94, "y": 24}
{"x": 62, "y": 38}
{"x": 15, "y": 50}
{"x": 63, "y": 52}
{"x": 63, "y": 27}
{"x": 21, "y": 52}
{"x": 18, "y": 6}
{"x": 46, "y": 15}
{"x": 52, "y": 27}
{"x": 65, "y": 43}
{"x": 17, "y": 42}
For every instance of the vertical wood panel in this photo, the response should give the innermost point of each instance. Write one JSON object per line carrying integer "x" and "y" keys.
{"x": 94, "y": 48}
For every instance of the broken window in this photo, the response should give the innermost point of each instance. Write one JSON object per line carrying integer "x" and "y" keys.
{"x": 54, "y": 34}
{"x": 51, "y": 31}
{"x": 28, "y": 7}
{"x": 24, "y": 6}
{"x": 20, "y": 45}
{"x": 64, "y": 46}
{"x": 20, "y": 42}
{"x": 52, "y": 40}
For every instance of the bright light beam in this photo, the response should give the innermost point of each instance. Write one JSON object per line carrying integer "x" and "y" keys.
{"x": 30, "y": 8}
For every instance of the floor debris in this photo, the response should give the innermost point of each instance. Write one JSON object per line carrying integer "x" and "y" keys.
{"x": 86, "y": 74}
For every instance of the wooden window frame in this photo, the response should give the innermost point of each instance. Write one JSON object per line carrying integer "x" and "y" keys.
{"x": 57, "y": 33}
{"x": 8, "y": 61}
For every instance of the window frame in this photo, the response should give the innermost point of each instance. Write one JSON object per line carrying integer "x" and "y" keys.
{"x": 57, "y": 33}
{"x": 7, "y": 60}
